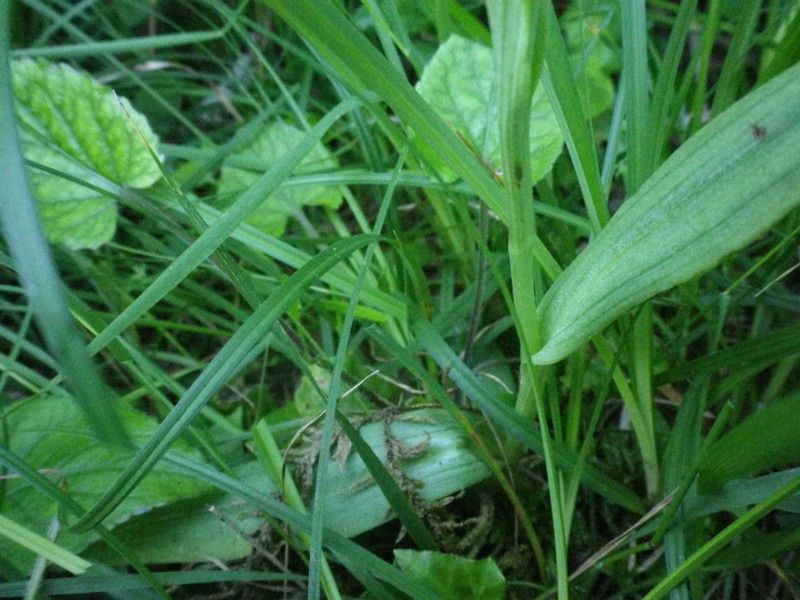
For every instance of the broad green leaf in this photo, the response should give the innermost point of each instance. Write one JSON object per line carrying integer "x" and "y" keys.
{"x": 52, "y": 434}
{"x": 196, "y": 527}
{"x": 723, "y": 188}
{"x": 74, "y": 125}
{"x": 748, "y": 449}
{"x": 458, "y": 84}
{"x": 274, "y": 141}
{"x": 454, "y": 577}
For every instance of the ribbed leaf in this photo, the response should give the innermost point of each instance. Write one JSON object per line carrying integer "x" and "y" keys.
{"x": 71, "y": 123}
{"x": 726, "y": 186}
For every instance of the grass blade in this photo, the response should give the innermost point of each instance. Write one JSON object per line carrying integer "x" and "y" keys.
{"x": 715, "y": 544}
{"x": 42, "y": 546}
{"x": 220, "y": 230}
{"x": 363, "y": 68}
{"x": 575, "y": 125}
{"x": 226, "y": 362}
{"x": 509, "y": 421}
{"x": 336, "y": 543}
{"x": 37, "y": 271}
{"x": 762, "y": 351}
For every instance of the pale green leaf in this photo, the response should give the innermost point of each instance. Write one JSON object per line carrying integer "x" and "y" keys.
{"x": 74, "y": 125}
{"x": 52, "y": 434}
{"x": 274, "y": 141}
{"x": 722, "y": 189}
{"x": 591, "y": 58}
{"x": 430, "y": 450}
{"x": 454, "y": 577}
{"x": 458, "y": 84}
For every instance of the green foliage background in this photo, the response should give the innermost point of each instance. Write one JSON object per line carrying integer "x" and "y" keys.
{"x": 422, "y": 293}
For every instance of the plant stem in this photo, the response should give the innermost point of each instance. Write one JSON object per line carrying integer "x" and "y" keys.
{"x": 517, "y": 35}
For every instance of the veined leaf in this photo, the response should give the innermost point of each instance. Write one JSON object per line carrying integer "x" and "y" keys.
{"x": 457, "y": 83}
{"x": 72, "y": 124}
{"x": 454, "y": 577}
{"x": 53, "y": 435}
{"x": 274, "y": 141}
{"x": 722, "y": 189}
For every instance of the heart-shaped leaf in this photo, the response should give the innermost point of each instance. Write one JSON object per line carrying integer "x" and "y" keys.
{"x": 73, "y": 125}
{"x": 459, "y": 85}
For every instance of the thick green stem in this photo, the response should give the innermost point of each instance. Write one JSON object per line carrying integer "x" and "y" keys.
{"x": 518, "y": 27}
{"x": 639, "y": 134}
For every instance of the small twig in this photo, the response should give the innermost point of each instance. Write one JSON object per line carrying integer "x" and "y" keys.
{"x": 621, "y": 538}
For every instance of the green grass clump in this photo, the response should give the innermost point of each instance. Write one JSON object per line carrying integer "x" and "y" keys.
{"x": 400, "y": 299}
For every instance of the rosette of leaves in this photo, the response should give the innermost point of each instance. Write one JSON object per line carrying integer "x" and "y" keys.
{"x": 85, "y": 136}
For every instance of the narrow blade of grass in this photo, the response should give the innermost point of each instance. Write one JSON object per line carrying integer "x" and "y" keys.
{"x": 336, "y": 543}
{"x": 111, "y": 582}
{"x": 363, "y": 68}
{"x": 36, "y": 269}
{"x": 704, "y": 553}
{"x": 575, "y": 125}
{"x": 226, "y": 362}
{"x": 42, "y": 546}
{"x": 220, "y": 230}
{"x": 507, "y": 420}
